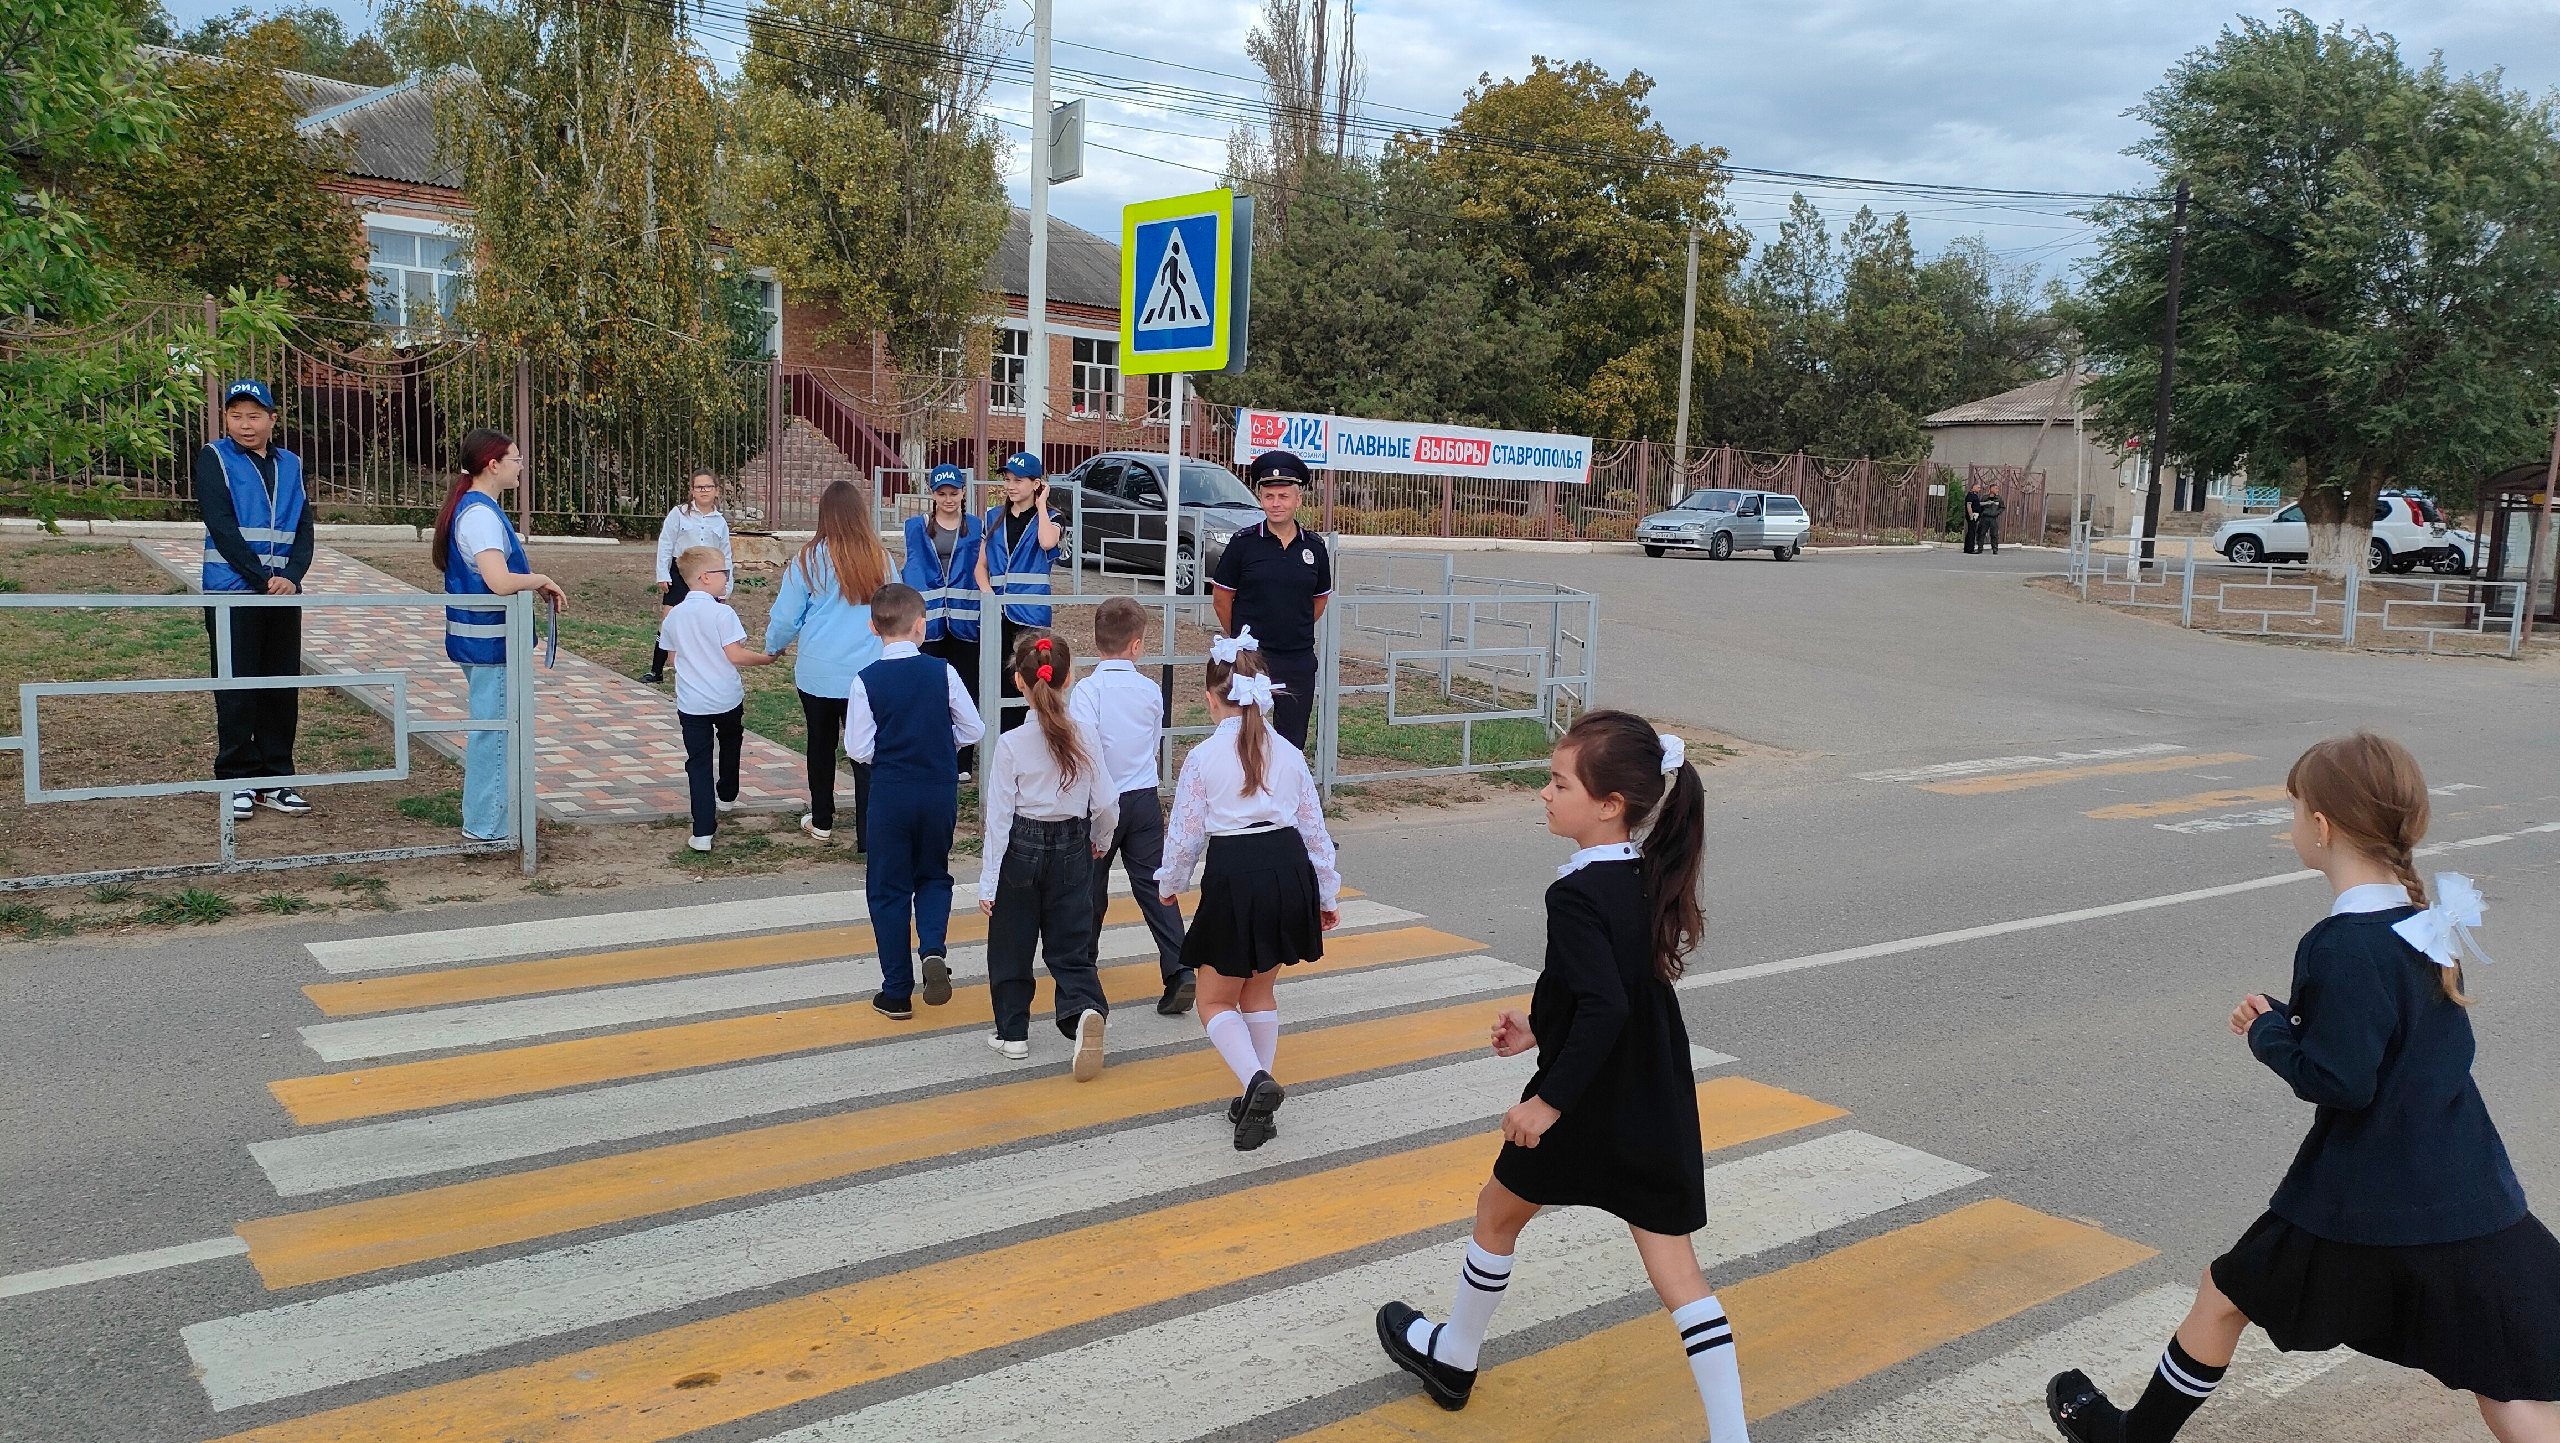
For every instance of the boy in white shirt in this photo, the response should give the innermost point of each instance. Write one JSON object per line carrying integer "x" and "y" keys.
{"x": 1126, "y": 711}
{"x": 708, "y": 642}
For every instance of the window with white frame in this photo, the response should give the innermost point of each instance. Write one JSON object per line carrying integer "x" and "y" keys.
{"x": 416, "y": 276}
{"x": 1159, "y": 397}
{"x": 769, "y": 300}
{"x": 1010, "y": 369}
{"x": 1095, "y": 382}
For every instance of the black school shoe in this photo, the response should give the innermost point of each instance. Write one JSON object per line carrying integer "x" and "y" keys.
{"x": 1178, "y": 994}
{"x": 898, "y": 1011}
{"x": 937, "y": 979}
{"x": 1262, "y": 1097}
{"x": 2080, "y": 1411}
{"x": 1235, "y": 1114}
{"x": 1447, "y": 1386}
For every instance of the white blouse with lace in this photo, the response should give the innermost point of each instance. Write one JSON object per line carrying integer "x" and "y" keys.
{"x": 1210, "y": 801}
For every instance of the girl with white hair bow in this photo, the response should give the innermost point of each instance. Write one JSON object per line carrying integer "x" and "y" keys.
{"x": 2400, "y": 1230}
{"x": 1270, "y": 891}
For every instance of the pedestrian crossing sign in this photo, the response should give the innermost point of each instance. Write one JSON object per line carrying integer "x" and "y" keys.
{"x": 1176, "y": 313}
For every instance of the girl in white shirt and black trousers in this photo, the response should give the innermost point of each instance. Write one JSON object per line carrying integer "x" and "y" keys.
{"x": 1271, "y": 890}
{"x": 1050, "y": 808}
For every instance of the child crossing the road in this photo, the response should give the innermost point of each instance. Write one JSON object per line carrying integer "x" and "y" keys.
{"x": 1610, "y": 1117}
{"x": 1051, "y": 810}
{"x": 1270, "y": 891}
{"x": 2400, "y": 1231}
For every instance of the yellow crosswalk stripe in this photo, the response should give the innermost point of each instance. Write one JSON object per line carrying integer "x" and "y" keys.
{"x": 544, "y": 1067}
{"x": 1802, "y": 1331}
{"x": 2055, "y": 776}
{"x": 2217, "y": 801}
{"x": 358, "y": 1237}
{"x": 448, "y": 985}
{"x": 700, "y": 1375}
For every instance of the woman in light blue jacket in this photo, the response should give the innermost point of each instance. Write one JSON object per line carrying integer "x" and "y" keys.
{"x": 825, "y": 604}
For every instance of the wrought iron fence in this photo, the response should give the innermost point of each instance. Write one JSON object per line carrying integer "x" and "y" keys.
{"x": 376, "y": 412}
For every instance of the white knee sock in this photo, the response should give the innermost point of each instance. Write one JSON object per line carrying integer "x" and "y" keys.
{"x": 1234, "y": 1040}
{"x": 1709, "y": 1339}
{"x": 1481, "y": 1280}
{"x": 1265, "y": 1027}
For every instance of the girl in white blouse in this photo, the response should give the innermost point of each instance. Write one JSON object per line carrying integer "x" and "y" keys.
{"x": 698, "y": 522}
{"x": 1050, "y": 808}
{"x": 1270, "y": 892}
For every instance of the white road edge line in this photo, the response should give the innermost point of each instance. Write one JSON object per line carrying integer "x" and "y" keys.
{"x": 1980, "y": 766}
{"x": 1758, "y": 970}
{"x": 98, "y": 1270}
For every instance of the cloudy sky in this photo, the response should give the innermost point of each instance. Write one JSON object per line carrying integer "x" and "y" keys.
{"x": 1948, "y": 91}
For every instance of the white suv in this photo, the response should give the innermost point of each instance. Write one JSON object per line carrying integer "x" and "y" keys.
{"x": 2402, "y": 540}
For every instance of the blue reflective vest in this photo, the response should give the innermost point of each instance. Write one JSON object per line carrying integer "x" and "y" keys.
{"x": 474, "y": 636}
{"x": 950, "y": 597}
{"x": 1023, "y": 572}
{"x": 267, "y": 523}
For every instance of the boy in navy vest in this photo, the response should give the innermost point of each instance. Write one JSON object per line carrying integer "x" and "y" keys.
{"x": 257, "y": 539}
{"x": 908, "y": 714}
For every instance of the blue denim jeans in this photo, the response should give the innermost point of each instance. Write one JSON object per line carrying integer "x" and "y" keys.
{"x": 485, "y": 793}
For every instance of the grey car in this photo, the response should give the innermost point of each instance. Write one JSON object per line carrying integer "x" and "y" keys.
{"x": 1721, "y": 522}
{"x": 1122, "y": 514}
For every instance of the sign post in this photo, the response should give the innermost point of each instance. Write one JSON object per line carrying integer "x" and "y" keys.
{"x": 1179, "y": 312}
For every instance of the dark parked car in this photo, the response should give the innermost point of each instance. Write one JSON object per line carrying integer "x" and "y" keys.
{"x": 1120, "y": 498}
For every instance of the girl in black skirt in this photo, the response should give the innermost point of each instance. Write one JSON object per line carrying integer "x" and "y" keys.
{"x": 2400, "y": 1230}
{"x": 1270, "y": 892}
{"x": 1610, "y": 1118}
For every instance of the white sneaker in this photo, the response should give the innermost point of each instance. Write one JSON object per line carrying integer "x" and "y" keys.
{"x": 699, "y": 844}
{"x": 1013, "y": 1051}
{"x": 728, "y": 807}
{"x": 1089, "y": 1046}
{"x": 244, "y": 805}
{"x": 808, "y": 823}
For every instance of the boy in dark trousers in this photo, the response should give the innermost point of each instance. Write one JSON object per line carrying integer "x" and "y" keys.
{"x": 709, "y": 644}
{"x": 1126, "y": 711}
{"x": 258, "y": 538}
{"x": 907, "y": 716}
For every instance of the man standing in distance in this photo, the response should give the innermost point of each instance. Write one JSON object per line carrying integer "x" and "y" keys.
{"x": 1275, "y": 578}
{"x": 257, "y": 538}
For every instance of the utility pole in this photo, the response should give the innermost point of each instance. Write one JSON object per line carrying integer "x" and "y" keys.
{"x": 1688, "y": 345}
{"x": 2168, "y": 373}
{"x": 1035, "y": 371}
{"x": 2539, "y": 558}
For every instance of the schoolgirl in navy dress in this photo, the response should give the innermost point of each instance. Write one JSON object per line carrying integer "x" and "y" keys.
{"x": 1270, "y": 891}
{"x": 2400, "y": 1231}
{"x": 1610, "y": 1118}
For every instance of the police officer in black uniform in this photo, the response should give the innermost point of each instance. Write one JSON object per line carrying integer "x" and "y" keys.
{"x": 1275, "y": 578}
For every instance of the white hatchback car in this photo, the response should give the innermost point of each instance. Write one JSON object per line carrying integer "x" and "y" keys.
{"x": 2401, "y": 541}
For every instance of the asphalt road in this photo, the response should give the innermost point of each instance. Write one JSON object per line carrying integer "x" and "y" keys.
{"x": 2081, "y": 759}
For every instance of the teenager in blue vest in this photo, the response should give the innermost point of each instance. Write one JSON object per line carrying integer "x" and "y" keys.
{"x": 258, "y": 539}
{"x": 942, "y": 564}
{"x": 1021, "y": 544}
{"x": 905, "y": 717}
{"x": 477, "y": 549}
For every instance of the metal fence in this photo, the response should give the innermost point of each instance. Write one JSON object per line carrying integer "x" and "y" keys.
{"x": 376, "y": 414}
{"x": 2456, "y": 614}
{"x": 387, "y": 692}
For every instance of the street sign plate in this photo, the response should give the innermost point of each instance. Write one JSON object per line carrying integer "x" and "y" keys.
{"x": 1175, "y": 272}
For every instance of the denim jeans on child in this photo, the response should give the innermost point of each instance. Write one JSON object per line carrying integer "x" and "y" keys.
{"x": 1044, "y": 898}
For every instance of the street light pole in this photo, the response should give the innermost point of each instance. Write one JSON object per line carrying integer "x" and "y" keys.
{"x": 1035, "y": 404}
{"x": 1688, "y": 344}
{"x": 2168, "y": 373}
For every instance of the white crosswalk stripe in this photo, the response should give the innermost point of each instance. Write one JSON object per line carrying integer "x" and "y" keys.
{"x": 481, "y": 1024}
{"x": 653, "y": 926}
{"x": 505, "y": 1132}
{"x": 1174, "y": 1380}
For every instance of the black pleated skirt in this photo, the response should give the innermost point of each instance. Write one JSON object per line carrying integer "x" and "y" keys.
{"x": 1259, "y": 906}
{"x": 2481, "y": 1315}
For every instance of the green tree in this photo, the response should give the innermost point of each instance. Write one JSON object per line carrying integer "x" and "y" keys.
{"x": 2369, "y": 290}
{"x": 327, "y": 49}
{"x": 2006, "y": 332}
{"x": 1362, "y": 307}
{"x": 1578, "y": 205}
{"x": 234, "y": 196}
{"x": 585, "y": 134}
{"x": 1893, "y": 351}
{"x": 74, "y": 96}
{"x": 861, "y": 171}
